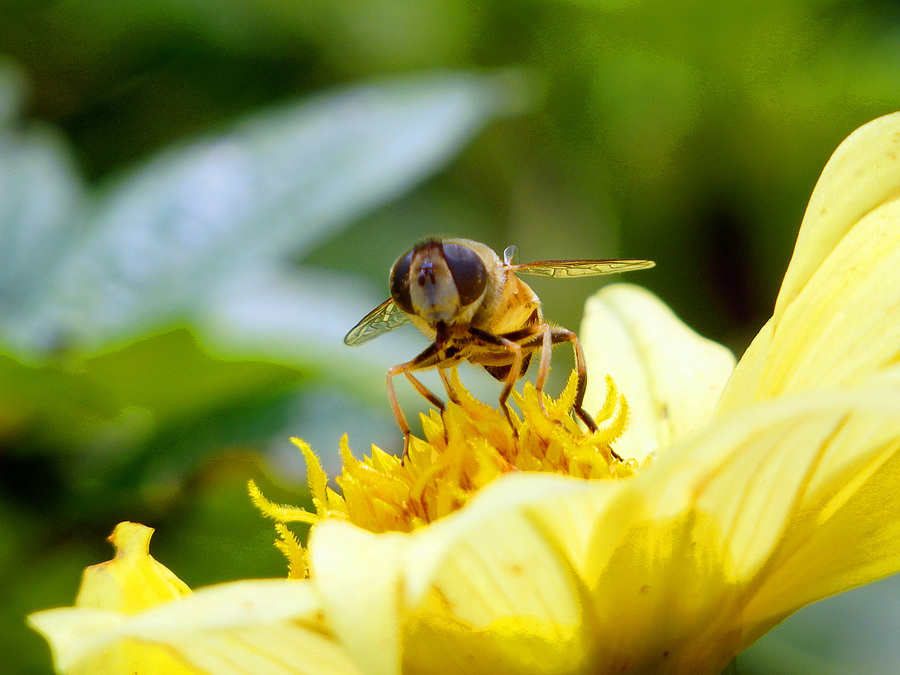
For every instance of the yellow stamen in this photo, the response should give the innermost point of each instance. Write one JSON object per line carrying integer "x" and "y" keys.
{"x": 465, "y": 448}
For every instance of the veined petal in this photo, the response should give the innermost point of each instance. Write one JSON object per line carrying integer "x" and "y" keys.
{"x": 84, "y": 641}
{"x": 846, "y": 530}
{"x": 676, "y": 569}
{"x": 490, "y": 592}
{"x": 663, "y": 598}
{"x": 358, "y": 578}
{"x": 688, "y": 556}
{"x": 671, "y": 377}
{"x": 844, "y": 325}
{"x": 836, "y": 317}
{"x": 863, "y": 173}
{"x": 243, "y": 628}
{"x": 508, "y": 591}
{"x": 505, "y": 586}
{"x": 800, "y": 496}
{"x": 479, "y": 587}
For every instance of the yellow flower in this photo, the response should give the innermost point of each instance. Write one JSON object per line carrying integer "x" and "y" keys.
{"x": 759, "y": 496}
{"x": 465, "y": 448}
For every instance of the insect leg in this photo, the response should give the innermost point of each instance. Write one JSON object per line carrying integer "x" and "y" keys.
{"x": 514, "y": 372}
{"x": 538, "y": 336}
{"x": 451, "y": 392}
{"x": 544, "y": 366}
{"x": 563, "y": 335}
{"x": 427, "y": 359}
{"x": 425, "y": 391}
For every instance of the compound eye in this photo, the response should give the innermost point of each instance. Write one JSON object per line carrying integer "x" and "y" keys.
{"x": 468, "y": 270}
{"x": 400, "y": 282}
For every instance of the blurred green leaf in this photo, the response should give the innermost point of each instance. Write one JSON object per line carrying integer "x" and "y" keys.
{"x": 159, "y": 240}
{"x": 12, "y": 88}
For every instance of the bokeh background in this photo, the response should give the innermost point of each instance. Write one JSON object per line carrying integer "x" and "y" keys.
{"x": 197, "y": 201}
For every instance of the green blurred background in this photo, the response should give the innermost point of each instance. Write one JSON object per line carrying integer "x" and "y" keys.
{"x": 197, "y": 201}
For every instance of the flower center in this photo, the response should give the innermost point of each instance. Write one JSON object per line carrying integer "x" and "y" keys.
{"x": 465, "y": 448}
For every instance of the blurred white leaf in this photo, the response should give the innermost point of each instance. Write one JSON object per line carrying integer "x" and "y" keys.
{"x": 301, "y": 319}
{"x": 39, "y": 193}
{"x": 159, "y": 238}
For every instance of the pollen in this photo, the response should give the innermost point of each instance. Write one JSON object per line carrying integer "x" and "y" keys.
{"x": 464, "y": 448}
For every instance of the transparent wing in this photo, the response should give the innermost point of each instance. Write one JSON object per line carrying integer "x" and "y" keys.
{"x": 562, "y": 269}
{"x": 386, "y": 317}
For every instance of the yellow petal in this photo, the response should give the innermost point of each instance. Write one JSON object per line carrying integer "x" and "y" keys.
{"x": 437, "y": 644}
{"x": 505, "y": 587}
{"x": 663, "y": 599}
{"x": 490, "y": 592}
{"x": 133, "y": 580}
{"x": 845, "y": 530}
{"x": 671, "y": 377}
{"x": 835, "y": 321}
{"x": 804, "y": 493}
{"x": 843, "y": 326}
{"x": 712, "y": 545}
{"x": 129, "y": 583}
{"x": 244, "y": 628}
{"x": 676, "y": 569}
{"x": 481, "y": 578}
{"x": 75, "y": 637}
{"x": 741, "y": 388}
{"x": 862, "y": 173}
{"x": 357, "y": 574}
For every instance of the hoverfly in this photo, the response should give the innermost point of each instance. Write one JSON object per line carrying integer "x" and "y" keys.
{"x": 472, "y": 307}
